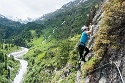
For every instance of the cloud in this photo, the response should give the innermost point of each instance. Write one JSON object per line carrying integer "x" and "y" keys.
{"x": 29, "y": 8}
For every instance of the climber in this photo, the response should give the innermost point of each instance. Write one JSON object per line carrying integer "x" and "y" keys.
{"x": 84, "y": 37}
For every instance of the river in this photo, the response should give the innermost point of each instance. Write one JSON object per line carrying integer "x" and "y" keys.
{"x": 23, "y": 64}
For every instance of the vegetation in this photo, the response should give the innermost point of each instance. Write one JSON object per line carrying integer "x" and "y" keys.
{"x": 109, "y": 35}
{"x": 8, "y": 66}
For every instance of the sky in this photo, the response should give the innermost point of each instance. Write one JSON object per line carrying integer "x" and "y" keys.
{"x": 29, "y": 8}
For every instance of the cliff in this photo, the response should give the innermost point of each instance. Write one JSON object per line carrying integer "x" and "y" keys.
{"x": 106, "y": 62}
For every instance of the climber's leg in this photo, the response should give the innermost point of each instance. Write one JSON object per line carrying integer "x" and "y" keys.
{"x": 86, "y": 52}
{"x": 81, "y": 50}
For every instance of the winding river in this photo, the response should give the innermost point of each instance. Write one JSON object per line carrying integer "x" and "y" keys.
{"x": 23, "y": 64}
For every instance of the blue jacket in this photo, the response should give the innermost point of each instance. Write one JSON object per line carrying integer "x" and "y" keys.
{"x": 84, "y": 38}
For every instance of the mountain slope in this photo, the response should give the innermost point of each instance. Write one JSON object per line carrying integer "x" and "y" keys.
{"x": 55, "y": 48}
{"x": 8, "y": 27}
{"x": 52, "y": 40}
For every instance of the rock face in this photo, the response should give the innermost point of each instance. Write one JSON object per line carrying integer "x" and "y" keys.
{"x": 96, "y": 24}
{"x": 112, "y": 68}
{"x": 112, "y": 71}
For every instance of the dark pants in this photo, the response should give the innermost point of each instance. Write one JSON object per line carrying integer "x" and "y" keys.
{"x": 81, "y": 49}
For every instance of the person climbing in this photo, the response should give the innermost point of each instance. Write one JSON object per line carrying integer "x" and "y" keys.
{"x": 83, "y": 40}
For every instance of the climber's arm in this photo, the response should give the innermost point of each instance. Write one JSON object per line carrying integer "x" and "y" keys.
{"x": 90, "y": 30}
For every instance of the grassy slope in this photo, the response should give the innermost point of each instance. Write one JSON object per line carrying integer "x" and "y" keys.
{"x": 37, "y": 53}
